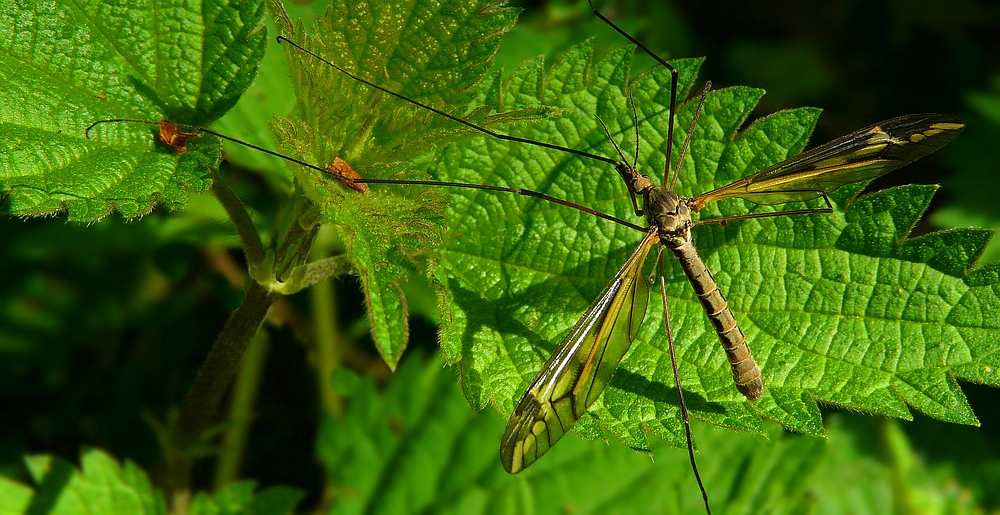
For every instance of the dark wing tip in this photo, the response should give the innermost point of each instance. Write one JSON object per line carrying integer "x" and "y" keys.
{"x": 508, "y": 446}
{"x": 516, "y": 432}
{"x": 918, "y": 135}
{"x": 916, "y": 123}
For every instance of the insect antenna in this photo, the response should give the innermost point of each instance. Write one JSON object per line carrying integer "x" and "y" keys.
{"x": 633, "y": 180}
{"x": 611, "y": 138}
{"x": 635, "y": 124}
{"x": 687, "y": 139}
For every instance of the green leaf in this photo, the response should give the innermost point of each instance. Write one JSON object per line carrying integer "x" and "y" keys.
{"x": 435, "y": 52}
{"x": 414, "y": 446}
{"x": 975, "y": 165}
{"x": 103, "y": 486}
{"x": 276, "y": 500}
{"x": 14, "y": 497}
{"x": 239, "y": 498}
{"x": 418, "y": 427}
{"x": 840, "y": 308}
{"x": 100, "y": 486}
{"x": 66, "y": 65}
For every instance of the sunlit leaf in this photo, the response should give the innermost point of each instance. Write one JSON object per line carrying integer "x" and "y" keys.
{"x": 69, "y": 64}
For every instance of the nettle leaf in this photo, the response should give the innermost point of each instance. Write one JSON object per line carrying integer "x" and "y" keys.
{"x": 841, "y": 308}
{"x": 66, "y": 65}
{"x": 240, "y": 497}
{"x": 434, "y": 52}
{"x": 14, "y": 497}
{"x": 414, "y": 446}
{"x": 975, "y": 164}
{"x": 102, "y": 485}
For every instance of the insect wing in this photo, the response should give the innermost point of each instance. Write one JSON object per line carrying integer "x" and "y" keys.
{"x": 579, "y": 370}
{"x": 860, "y": 156}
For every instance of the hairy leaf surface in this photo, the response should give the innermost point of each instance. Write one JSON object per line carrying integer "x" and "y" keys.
{"x": 842, "y": 308}
{"x": 66, "y": 65}
{"x": 435, "y": 52}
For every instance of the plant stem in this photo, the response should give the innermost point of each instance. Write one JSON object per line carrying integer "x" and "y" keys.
{"x": 897, "y": 457}
{"x": 291, "y": 248}
{"x": 252, "y": 246}
{"x": 241, "y": 411}
{"x": 223, "y": 361}
{"x": 214, "y": 378}
{"x": 330, "y": 342}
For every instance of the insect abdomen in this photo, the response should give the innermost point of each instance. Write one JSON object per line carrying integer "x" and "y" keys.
{"x": 746, "y": 373}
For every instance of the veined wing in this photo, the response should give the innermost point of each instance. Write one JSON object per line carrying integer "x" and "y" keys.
{"x": 579, "y": 370}
{"x": 860, "y": 156}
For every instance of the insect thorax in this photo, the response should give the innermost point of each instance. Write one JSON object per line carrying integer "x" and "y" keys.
{"x": 670, "y": 214}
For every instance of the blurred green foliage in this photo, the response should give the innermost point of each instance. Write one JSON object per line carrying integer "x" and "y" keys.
{"x": 103, "y": 326}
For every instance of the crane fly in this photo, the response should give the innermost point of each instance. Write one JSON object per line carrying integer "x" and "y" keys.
{"x": 578, "y": 371}
{"x": 576, "y": 374}
{"x": 582, "y": 365}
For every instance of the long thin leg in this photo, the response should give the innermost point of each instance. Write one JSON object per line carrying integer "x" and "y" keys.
{"x": 282, "y": 39}
{"x": 518, "y": 191}
{"x": 673, "y": 82}
{"x": 814, "y": 211}
{"x": 677, "y": 381}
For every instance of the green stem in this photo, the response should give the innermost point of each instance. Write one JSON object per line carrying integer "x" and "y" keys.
{"x": 223, "y": 360}
{"x": 297, "y": 234}
{"x": 897, "y": 457}
{"x": 331, "y": 343}
{"x": 241, "y": 411}
{"x": 252, "y": 246}
{"x": 214, "y": 377}
{"x": 222, "y": 363}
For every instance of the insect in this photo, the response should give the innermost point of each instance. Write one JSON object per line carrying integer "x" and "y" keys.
{"x": 579, "y": 370}
{"x": 171, "y": 135}
{"x": 576, "y": 374}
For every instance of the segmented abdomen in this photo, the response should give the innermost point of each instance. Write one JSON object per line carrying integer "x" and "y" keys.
{"x": 746, "y": 373}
